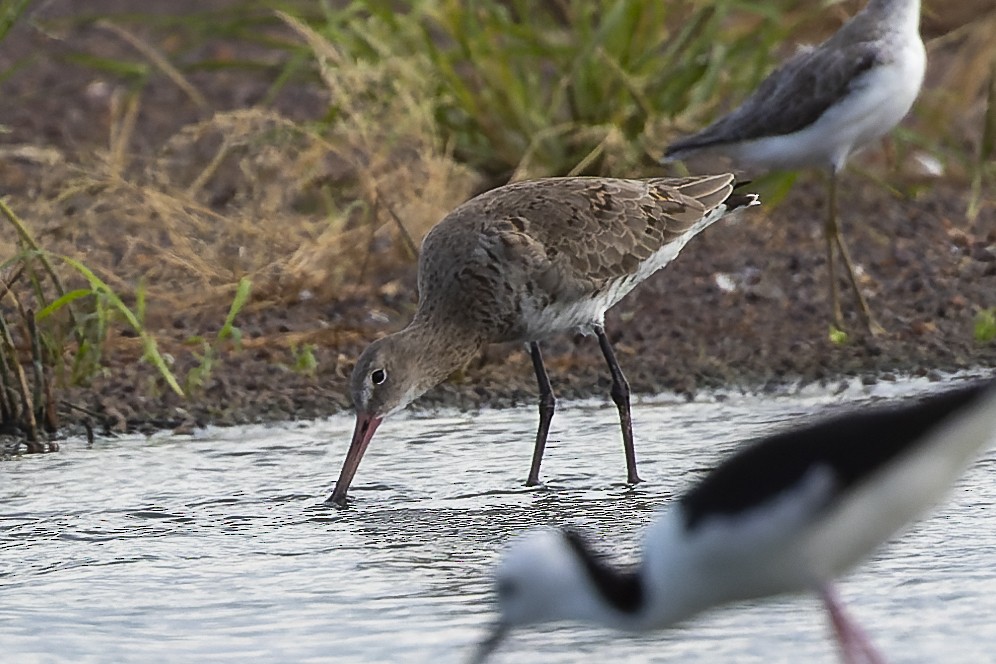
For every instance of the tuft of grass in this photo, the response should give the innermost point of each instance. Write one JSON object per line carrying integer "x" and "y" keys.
{"x": 51, "y": 335}
{"x": 198, "y": 376}
{"x": 403, "y": 175}
{"x": 985, "y": 325}
{"x": 305, "y": 362}
{"x": 838, "y": 337}
{"x": 54, "y": 326}
{"x": 523, "y": 90}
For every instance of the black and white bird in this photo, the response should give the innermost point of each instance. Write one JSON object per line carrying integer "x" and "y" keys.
{"x": 824, "y": 104}
{"x": 788, "y": 514}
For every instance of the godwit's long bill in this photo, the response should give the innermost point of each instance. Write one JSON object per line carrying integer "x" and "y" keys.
{"x": 822, "y": 105}
{"x": 521, "y": 263}
{"x": 788, "y": 514}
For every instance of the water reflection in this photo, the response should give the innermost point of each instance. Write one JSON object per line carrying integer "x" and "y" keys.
{"x": 218, "y": 547}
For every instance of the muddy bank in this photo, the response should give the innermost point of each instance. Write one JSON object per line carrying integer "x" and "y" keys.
{"x": 745, "y": 306}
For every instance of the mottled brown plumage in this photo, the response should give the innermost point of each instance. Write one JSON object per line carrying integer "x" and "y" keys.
{"x": 551, "y": 241}
{"x": 520, "y": 263}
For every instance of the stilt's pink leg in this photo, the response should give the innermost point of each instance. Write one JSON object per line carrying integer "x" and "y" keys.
{"x": 855, "y": 646}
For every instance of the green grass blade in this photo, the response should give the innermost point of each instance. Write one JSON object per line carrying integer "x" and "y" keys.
{"x": 151, "y": 350}
{"x": 54, "y": 306}
{"x": 242, "y": 292}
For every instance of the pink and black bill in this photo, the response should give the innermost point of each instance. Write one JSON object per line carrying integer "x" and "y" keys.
{"x": 366, "y": 425}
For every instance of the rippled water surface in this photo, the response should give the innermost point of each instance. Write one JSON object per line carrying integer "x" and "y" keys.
{"x": 218, "y": 547}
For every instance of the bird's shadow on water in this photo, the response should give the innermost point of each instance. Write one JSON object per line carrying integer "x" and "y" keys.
{"x": 514, "y": 491}
{"x": 488, "y": 518}
{"x": 288, "y": 498}
{"x": 376, "y": 496}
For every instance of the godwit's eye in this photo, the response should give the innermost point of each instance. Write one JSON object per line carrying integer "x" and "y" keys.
{"x": 378, "y": 376}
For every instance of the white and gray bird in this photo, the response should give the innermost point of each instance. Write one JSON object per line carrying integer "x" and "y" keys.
{"x": 821, "y": 106}
{"x": 521, "y": 263}
{"x": 788, "y": 514}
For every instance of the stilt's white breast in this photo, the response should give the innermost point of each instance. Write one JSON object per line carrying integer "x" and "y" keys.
{"x": 877, "y": 103}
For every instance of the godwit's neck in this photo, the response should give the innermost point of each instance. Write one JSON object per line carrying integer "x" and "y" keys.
{"x": 434, "y": 352}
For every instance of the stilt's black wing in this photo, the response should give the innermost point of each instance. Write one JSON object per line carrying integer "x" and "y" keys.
{"x": 852, "y": 446}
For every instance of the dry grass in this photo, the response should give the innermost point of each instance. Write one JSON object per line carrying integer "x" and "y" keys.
{"x": 304, "y": 209}
{"x": 401, "y": 178}
{"x": 964, "y": 63}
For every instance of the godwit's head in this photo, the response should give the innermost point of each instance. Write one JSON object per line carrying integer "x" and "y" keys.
{"x": 390, "y": 374}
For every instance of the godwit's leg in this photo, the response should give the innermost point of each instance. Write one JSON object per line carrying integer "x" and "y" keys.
{"x": 547, "y": 404}
{"x": 855, "y": 646}
{"x": 834, "y": 228}
{"x": 620, "y": 395}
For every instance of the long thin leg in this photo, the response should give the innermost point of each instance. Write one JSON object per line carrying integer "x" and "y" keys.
{"x": 855, "y": 646}
{"x": 620, "y": 395}
{"x": 830, "y": 232}
{"x": 845, "y": 255}
{"x": 547, "y": 404}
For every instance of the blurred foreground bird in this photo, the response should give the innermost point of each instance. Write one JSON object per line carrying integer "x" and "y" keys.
{"x": 788, "y": 514}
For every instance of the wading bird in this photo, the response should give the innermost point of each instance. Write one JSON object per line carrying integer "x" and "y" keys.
{"x": 521, "y": 263}
{"x": 822, "y": 105}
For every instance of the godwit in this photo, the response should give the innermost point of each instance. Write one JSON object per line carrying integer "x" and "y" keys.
{"x": 523, "y": 262}
{"x": 822, "y": 105}
{"x": 786, "y": 515}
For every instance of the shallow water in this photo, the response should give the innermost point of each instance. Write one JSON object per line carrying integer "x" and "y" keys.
{"x": 217, "y": 547}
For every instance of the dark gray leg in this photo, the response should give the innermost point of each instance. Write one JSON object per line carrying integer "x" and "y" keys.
{"x": 620, "y": 395}
{"x": 547, "y": 404}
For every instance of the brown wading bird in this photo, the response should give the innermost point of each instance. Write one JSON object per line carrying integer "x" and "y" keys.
{"x": 823, "y": 104}
{"x": 523, "y": 262}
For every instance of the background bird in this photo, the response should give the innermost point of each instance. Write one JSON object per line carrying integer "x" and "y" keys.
{"x": 787, "y": 514}
{"x": 822, "y": 105}
{"x": 523, "y": 262}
